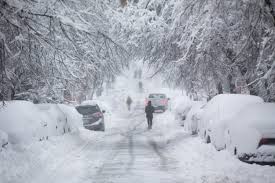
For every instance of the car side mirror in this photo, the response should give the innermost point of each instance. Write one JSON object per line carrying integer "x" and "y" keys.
{"x": 103, "y": 111}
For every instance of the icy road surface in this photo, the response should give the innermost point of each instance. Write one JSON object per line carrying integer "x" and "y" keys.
{"x": 128, "y": 153}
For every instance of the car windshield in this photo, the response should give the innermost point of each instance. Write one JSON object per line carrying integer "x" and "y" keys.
{"x": 157, "y": 96}
{"x": 87, "y": 109}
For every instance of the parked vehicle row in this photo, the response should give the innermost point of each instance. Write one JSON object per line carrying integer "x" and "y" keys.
{"x": 242, "y": 124}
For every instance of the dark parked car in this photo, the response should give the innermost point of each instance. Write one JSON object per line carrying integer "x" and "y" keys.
{"x": 93, "y": 118}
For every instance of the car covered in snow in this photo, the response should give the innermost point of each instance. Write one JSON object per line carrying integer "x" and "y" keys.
{"x": 181, "y": 112}
{"x": 251, "y": 133}
{"x": 217, "y": 111}
{"x": 159, "y": 101}
{"x": 93, "y": 116}
{"x": 181, "y": 107}
{"x": 193, "y": 116}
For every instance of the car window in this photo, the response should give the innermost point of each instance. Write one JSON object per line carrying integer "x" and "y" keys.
{"x": 88, "y": 109}
{"x": 157, "y": 96}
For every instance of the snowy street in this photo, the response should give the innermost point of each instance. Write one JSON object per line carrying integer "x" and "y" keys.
{"x": 137, "y": 91}
{"x": 128, "y": 152}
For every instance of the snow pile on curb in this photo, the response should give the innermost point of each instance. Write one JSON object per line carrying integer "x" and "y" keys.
{"x": 74, "y": 119}
{"x": 25, "y": 122}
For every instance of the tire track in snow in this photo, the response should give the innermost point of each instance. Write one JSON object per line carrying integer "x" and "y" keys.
{"x": 133, "y": 155}
{"x": 52, "y": 174}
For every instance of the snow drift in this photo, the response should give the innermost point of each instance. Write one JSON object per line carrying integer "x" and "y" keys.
{"x": 24, "y": 121}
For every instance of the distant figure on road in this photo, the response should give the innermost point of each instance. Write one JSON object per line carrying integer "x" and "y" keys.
{"x": 140, "y": 86}
{"x": 149, "y": 110}
{"x": 129, "y": 102}
{"x": 139, "y": 72}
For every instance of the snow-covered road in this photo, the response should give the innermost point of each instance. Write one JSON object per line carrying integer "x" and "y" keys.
{"x": 128, "y": 152}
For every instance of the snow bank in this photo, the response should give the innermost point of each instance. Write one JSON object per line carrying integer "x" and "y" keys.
{"x": 193, "y": 117}
{"x": 74, "y": 119}
{"x": 24, "y": 121}
{"x": 181, "y": 106}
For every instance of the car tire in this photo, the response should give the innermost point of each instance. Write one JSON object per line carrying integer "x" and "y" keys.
{"x": 102, "y": 128}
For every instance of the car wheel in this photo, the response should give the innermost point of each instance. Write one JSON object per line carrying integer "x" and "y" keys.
{"x": 103, "y": 127}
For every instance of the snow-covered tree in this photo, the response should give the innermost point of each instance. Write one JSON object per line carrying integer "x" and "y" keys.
{"x": 55, "y": 46}
{"x": 215, "y": 46}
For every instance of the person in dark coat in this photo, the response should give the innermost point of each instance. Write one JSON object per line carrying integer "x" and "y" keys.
{"x": 149, "y": 110}
{"x": 129, "y": 102}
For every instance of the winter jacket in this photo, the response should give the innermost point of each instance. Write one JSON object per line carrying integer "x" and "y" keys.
{"x": 149, "y": 110}
{"x": 129, "y": 101}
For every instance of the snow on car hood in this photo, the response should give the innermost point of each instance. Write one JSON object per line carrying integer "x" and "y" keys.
{"x": 260, "y": 116}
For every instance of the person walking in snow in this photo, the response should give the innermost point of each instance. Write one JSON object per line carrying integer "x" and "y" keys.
{"x": 129, "y": 102}
{"x": 149, "y": 110}
{"x": 140, "y": 87}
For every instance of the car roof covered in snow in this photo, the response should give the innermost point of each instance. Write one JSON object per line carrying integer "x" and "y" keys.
{"x": 236, "y": 97}
{"x": 156, "y": 94}
{"x": 225, "y": 106}
{"x": 257, "y": 113}
{"x": 89, "y": 102}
